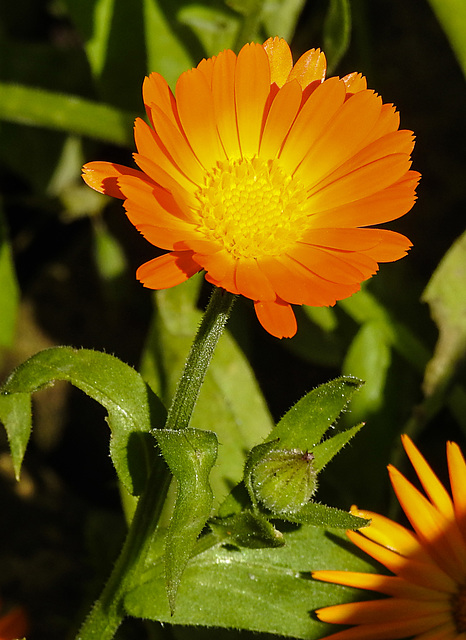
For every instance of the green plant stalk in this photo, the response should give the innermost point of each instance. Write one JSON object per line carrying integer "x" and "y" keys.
{"x": 108, "y": 612}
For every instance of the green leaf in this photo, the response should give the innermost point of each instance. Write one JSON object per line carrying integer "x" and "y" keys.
{"x": 9, "y": 291}
{"x": 327, "y": 449}
{"x": 264, "y": 590}
{"x": 190, "y": 454}
{"x": 445, "y": 295}
{"x": 215, "y": 29}
{"x": 230, "y": 402}
{"x": 337, "y": 32}
{"x": 369, "y": 358}
{"x": 133, "y": 409}
{"x": 15, "y": 414}
{"x": 452, "y": 16}
{"x": 280, "y": 17}
{"x": 307, "y": 421}
{"x": 40, "y": 108}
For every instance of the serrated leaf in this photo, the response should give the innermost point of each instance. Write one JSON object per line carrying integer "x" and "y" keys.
{"x": 263, "y": 590}
{"x": 447, "y": 301}
{"x": 307, "y": 421}
{"x": 190, "y": 454}
{"x": 337, "y": 32}
{"x": 133, "y": 409}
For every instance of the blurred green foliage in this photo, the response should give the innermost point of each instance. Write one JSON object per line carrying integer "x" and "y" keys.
{"x": 70, "y": 86}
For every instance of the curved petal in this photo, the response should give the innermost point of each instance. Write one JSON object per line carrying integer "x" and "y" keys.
{"x": 361, "y": 183}
{"x": 252, "y": 87}
{"x": 392, "y": 246}
{"x": 277, "y": 318}
{"x": 148, "y": 144}
{"x": 155, "y": 91}
{"x": 177, "y": 148}
{"x": 103, "y": 177}
{"x": 220, "y": 269}
{"x": 167, "y": 270}
{"x": 343, "y": 137}
{"x": 223, "y": 94}
{"x": 251, "y": 281}
{"x": 196, "y": 112}
{"x": 382, "y": 206}
{"x": 280, "y": 117}
{"x": 311, "y": 122}
{"x": 343, "y": 239}
{"x": 327, "y": 264}
{"x": 311, "y": 67}
{"x": 457, "y": 470}
{"x": 280, "y": 59}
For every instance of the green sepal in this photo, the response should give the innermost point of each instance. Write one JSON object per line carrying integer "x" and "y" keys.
{"x": 133, "y": 409}
{"x": 247, "y": 529}
{"x": 304, "y": 425}
{"x": 321, "y": 515}
{"x": 190, "y": 454}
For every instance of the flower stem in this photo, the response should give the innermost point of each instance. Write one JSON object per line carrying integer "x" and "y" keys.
{"x": 108, "y": 612}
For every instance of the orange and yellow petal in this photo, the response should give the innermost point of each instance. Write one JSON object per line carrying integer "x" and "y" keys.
{"x": 457, "y": 470}
{"x": 311, "y": 67}
{"x": 155, "y": 91}
{"x": 280, "y": 117}
{"x": 280, "y": 60}
{"x": 167, "y": 270}
{"x": 223, "y": 96}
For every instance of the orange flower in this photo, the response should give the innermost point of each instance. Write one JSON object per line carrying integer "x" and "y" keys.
{"x": 428, "y": 591}
{"x": 261, "y": 173}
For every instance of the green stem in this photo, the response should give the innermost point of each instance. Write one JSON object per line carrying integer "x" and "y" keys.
{"x": 108, "y": 612}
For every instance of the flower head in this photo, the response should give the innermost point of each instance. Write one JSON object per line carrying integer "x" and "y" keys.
{"x": 427, "y": 593}
{"x": 265, "y": 175}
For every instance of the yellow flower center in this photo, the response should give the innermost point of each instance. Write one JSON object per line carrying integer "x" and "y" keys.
{"x": 459, "y": 609}
{"x": 252, "y": 207}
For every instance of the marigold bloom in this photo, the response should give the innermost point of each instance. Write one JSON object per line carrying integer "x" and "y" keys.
{"x": 262, "y": 174}
{"x": 428, "y": 591}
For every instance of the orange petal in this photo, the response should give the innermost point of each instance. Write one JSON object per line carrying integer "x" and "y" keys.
{"x": 280, "y": 59}
{"x": 280, "y": 117}
{"x": 383, "y": 206}
{"x": 196, "y": 111}
{"x": 276, "y": 317}
{"x": 103, "y": 177}
{"x": 311, "y": 122}
{"x": 326, "y": 264}
{"x": 457, "y": 470}
{"x": 149, "y": 145}
{"x": 355, "y": 82}
{"x": 177, "y": 148}
{"x": 220, "y": 269}
{"x": 344, "y": 239}
{"x": 155, "y": 91}
{"x": 310, "y": 67}
{"x": 206, "y": 67}
{"x": 361, "y": 183}
{"x": 223, "y": 94}
{"x": 167, "y": 270}
{"x": 342, "y": 138}
{"x": 252, "y": 87}
{"x": 388, "y": 122}
{"x": 392, "y": 246}
{"x": 440, "y": 537}
{"x": 251, "y": 281}
{"x": 385, "y": 609}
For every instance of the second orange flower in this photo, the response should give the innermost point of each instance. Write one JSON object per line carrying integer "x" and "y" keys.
{"x": 266, "y": 175}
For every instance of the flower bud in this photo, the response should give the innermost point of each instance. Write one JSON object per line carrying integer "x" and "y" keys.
{"x": 283, "y": 481}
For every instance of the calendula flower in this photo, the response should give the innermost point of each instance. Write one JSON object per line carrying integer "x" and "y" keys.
{"x": 263, "y": 174}
{"x": 428, "y": 589}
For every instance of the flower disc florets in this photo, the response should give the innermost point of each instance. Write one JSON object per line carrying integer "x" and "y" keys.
{"x": 252, "y": 208}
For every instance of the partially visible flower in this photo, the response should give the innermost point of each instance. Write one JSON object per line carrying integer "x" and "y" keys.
{"x": 263, "y": 174}
{"x": 427, "y": 593}
{"x": 13, "y": 624}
